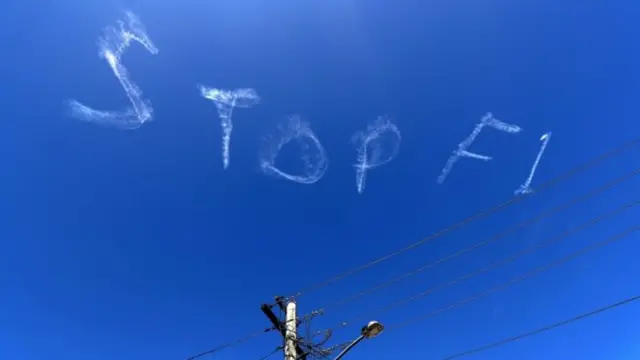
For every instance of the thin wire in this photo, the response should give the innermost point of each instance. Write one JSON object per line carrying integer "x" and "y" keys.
{"x": 318, "y": 353}
{"x": 543, "y": 329}
{"x": 477, "y": 216}
{"x": 465, "y": 277}
{"x": 438, "y": 234}
{"x": 517, "y": 279}
{"x": 325, "y": 353}
{"x": 523, "y": 224}
{"x": 500, "y": 262}
{"x": 271, "y": 353}
{"x": 308, "y": 328}
{"x": 280, "y": 317}
{"x": 229, "y": 344}
{"x": 237, "y": 341}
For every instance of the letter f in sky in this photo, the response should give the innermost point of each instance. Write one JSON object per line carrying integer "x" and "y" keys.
{"x": 487, "y": 120}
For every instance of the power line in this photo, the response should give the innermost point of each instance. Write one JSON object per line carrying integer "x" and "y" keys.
{"x": 518, "y": 279}
{"x": 230, "y": 343}
{"x": 438, "y": 234}
{"x": 513, "y": 281}
{"x": 477, "y": 216}
{"x": 271, "y": 353}
{"x": 529, "y": 274}
{"x": 543, "y": 329}
{"x": 478, "y": 272}
{"x": 500, "y": 262}
{"x": 523, "y": 224}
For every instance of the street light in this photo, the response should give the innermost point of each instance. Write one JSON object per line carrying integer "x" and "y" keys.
{"x": 369, "y": 331}
{"x": 372, "y": 329}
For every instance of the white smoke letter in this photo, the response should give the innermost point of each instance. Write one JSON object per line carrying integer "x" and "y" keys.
{"x": 313, "y": 156}
{"x": 112, "y": 45}
{"x": 526, "y": 187}
{"x": 372, "y": 149}
{"x": 487, "y": 120}
{"x": 226, "y": 101}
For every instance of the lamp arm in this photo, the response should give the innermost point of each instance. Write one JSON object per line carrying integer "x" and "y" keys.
{"x": 346, "y": 350}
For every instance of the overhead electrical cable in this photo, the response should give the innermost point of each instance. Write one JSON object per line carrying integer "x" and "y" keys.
{"x": 271, "y": 353}
{"x": 477, "y": 216}
{"x": 546, "y": 328}
{"x": 473, "y": 274}
{"x": 575, "y": 170}
{"x": 230, "y": 344}
{"x": 478, "y": 245}
{"x": 516, "y": 280}
{"x": 503, "y": 261}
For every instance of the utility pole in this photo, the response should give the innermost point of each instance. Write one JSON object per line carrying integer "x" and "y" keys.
{"x": 287, "y": 328}
{"x": 291, "y": 332}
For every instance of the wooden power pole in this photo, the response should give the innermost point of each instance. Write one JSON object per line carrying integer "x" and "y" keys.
{"x": 291, "y": 332}
{"x": 287, "y": 328}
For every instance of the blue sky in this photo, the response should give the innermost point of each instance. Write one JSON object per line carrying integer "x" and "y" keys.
{"x": 136, "y": 244}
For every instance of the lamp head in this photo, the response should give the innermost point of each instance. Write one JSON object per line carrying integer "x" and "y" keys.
{"x": 372, "y": 329}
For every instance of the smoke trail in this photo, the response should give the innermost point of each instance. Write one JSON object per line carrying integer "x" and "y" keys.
{"x": 112, "y": 44}
{"x": 226, "y": 101}
{"x": 370, "y": 148}
{"x": 313, "y": 154}
{"x": 525, "y": 188}
{"x": 461, "y": 151}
